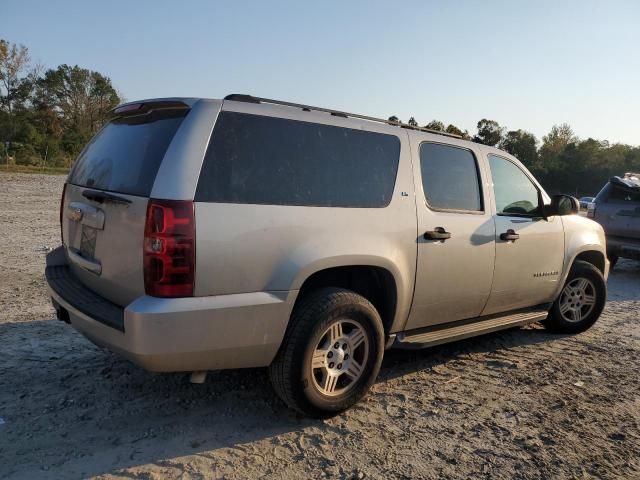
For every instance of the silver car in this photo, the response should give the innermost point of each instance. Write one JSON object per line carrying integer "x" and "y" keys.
{"x": 617, "y": 209}
{"x": 585, "y": 201}
{"x": 204, "y": 234}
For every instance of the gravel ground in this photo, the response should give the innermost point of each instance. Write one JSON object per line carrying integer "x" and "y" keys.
{"x": 520, "y": 403}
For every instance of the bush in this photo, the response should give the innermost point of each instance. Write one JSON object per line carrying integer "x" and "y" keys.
{"x": 27, "y": 155}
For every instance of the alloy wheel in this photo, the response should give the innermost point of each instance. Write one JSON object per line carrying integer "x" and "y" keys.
{"x": 339, "y": 358}
{"x": 577, "y": 300}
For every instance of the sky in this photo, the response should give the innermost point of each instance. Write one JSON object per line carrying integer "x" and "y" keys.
{"x": 526, "y": 64}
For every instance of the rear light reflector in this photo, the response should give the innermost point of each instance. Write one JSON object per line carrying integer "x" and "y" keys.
{"x": 169, "y": 248}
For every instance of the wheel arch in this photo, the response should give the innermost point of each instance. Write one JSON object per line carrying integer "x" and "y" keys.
{"x": 375, "y": 282}
{"x": 594, "y": 257}
{"x": 591, "y": 253}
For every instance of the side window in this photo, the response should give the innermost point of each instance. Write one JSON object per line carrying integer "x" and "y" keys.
{"x": 515, "y": 194}
{"x": 450, "y": 177}
{"x": 267, "y": 160}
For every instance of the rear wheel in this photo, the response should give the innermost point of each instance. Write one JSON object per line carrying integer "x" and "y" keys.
{"x": 581, "y": 301}
{"x": 331, "y": 353}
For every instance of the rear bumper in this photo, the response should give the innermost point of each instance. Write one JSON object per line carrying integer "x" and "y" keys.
{"x": 623, "y": 247}
{"x": 182, "y": 334}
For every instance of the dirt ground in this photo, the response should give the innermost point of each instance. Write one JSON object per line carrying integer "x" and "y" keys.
{"x": 520, "y": 403}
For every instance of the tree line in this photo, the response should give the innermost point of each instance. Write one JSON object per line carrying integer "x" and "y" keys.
{"x": 562, "y": 162}
{"x": 47, "y": 116}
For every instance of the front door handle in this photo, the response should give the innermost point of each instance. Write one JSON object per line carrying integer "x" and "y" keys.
{"x": 509, "y": 235}
{"x": 438, "y": 233}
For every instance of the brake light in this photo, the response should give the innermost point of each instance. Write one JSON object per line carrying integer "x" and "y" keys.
{"x": 169, "y": 248}
{"x": 64, "y": 190}
{"x": 591, "y": 210}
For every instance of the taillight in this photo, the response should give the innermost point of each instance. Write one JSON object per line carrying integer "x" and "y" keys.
{"x": 591, "y": 210}
{"x": 64, "y": 190}
{"x": 169, "y": 248}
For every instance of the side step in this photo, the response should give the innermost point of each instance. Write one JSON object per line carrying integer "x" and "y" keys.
{"x": 450, "y": 332}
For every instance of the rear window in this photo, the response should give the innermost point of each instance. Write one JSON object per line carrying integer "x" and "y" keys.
{"x": 623, "y": 195}
{"x": 125, "y": 155}
{"x": 266, "y": 160}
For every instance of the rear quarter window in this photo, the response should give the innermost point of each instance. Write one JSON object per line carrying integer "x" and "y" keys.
{"x": 126, "y": 154}
{"x": 255, "y": 159}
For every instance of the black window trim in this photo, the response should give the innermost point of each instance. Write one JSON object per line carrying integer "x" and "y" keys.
{"x": 529, "y": 177}
{"x": 482, "y": 210}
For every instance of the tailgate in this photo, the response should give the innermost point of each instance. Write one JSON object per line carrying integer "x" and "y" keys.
{"x": 103, "y": 242}
{"x": 619, "y": 213}
{"x": 629, "y": 219}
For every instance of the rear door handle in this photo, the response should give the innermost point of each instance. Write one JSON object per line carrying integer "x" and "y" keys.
{"x": 438, "y": 233}
{"x": 509, "y": 235}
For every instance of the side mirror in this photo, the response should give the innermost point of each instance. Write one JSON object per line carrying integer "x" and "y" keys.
{"x": 562, "y": 205}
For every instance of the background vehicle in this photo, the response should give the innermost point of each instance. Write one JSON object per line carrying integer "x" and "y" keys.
{"x": 203, "y": 234}
{"x": 585, "y": 201}
{"x": 617, "y": 209}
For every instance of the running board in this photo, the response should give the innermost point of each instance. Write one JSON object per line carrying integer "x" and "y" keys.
{"x": 453, "y": 331}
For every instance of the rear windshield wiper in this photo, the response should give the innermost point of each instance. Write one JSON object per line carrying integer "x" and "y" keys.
{"x": 102, "y": 197}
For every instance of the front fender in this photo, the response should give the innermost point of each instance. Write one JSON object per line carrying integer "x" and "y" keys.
{"x": 581, "y": 235}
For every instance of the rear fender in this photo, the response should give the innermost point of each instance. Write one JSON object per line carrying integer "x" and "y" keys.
{"x": 403, "y": 281}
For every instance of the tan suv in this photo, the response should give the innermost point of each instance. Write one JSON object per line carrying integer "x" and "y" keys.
{"x": 203, "y": 234}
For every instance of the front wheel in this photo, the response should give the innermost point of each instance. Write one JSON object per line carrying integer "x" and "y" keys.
{"x": 331, "y": 353}
{"x": 581, "y": 301}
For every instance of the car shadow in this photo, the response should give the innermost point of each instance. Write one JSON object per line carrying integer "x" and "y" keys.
{"x": 70, "y": 408}
{"x": 399, "y": 362}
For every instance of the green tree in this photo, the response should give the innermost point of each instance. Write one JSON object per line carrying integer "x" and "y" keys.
{"x": 553, "y": 172}
{"x": 393, "y": 118}
{"x": 15, "y": 87}
{"x": 457, "y": 131}
{"x": 489, "y": 132}
{"x": 554, "y": 143}
{"x": 412, "y": 122}
{"x": 80, "y": 98}
{"x": 523, "y": 146}
{"x": 435, "y": 125}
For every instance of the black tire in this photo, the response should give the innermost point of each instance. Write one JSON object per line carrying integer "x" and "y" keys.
{"x": 556, "y": 322}
{"x": 291, "y": 373}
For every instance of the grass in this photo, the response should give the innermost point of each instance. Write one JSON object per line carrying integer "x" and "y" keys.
{"x": 34, "y": 169}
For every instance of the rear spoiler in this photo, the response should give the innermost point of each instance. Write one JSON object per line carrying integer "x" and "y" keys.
{"x": 144, "y": 107}
{"x": 630, "y": 182}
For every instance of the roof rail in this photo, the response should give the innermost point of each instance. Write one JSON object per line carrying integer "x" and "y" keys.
{"x": 237, "y": 97}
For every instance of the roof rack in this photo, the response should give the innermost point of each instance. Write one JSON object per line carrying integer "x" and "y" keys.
{"x": 237, "y": 97}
